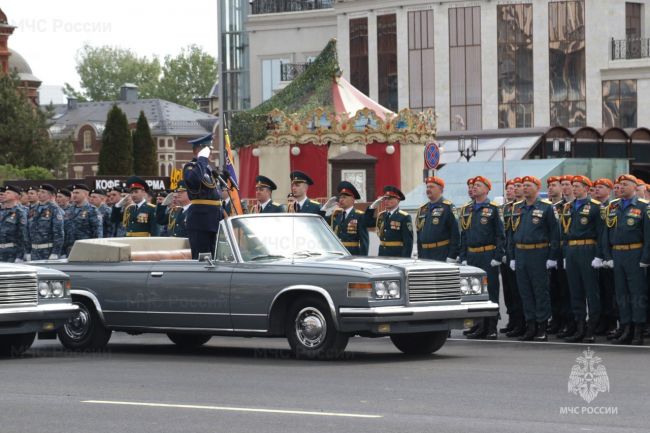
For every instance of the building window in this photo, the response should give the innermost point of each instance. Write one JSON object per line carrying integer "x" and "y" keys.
{"x": 88, "y": 141}
{"x": 387, "y": 60}
{"x": 78, "y": 171}
{"x": 567, "y": 74}
{"x": 465, "y": 68}
{"x": 359, "y": 54}
{"x": 421, "y": 60}
{"x": 619, "y": 104}
{"x": 165, "y": 164}
{"x": 633, "y": 19}
{"x": 271, "y": 71}
{"x": 515, "y": 64}
{"x": 95, "y": 169}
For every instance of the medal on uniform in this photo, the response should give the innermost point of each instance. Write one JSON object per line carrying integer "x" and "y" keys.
{"x": 536, "y": 220}
{"x": 142, "y": 218}
{"x": 630, "y": 221}
{"x": 435, "y": 221}
{"x": 584, "y": 221}
{"x": 484, "y": 220}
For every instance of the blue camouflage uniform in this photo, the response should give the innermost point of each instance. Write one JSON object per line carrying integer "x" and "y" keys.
{"x": 86, "y": 223}
{"x": 105, "y": 211}
{"x": 13, "y": 233}
{"x": 46, "y": 232}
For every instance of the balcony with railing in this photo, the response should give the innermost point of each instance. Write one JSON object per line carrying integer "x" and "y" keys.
{"x": 277, "y": 6}
{"x": 289, "y": 71}
{"x": 630, "y": 48}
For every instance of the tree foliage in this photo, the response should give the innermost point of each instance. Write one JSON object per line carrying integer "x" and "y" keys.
{"x": 24, "y": 137}
{"x": 11, "y": 172}
{"x": 180, "y": 79}
{"x": 144, "y": 149}
{"x": 116, "y": 154}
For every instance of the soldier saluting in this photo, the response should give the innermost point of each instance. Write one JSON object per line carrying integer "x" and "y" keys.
{"x": 347, "y": 222}
{"x": 136, "y": 214}
{"x": 437, "y": 228}
{"x": 394, "y": 226}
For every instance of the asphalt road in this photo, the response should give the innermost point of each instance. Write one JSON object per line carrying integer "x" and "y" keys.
{"x": 143, "y": 384}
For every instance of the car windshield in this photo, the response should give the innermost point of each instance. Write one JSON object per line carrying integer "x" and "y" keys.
{"x": 274, "y": 238}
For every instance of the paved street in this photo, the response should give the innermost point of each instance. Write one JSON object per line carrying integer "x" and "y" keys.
{"x": 143, "y": 384}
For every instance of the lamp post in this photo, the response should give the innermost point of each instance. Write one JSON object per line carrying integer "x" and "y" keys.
{"x": 468, "y": 151}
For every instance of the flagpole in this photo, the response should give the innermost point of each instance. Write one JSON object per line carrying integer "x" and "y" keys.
{"x": 220, "y": 142}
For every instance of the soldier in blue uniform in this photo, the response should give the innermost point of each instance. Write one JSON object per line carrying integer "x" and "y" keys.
{"x": 349, "y": 223}
{"x": 97, "y": 198}
{"x": 436, "y": 224}
{"x": 627, "y": 248}
{"x": 581, "y": 228}
{"x": 394, "y": 226}
{"x": 86, "y": 222}
{"x": 135, "y": 213}
{"x": 45, "y": 227}
{"x": 32, "y": 198}
{"x": 201, "y": 181}
{"x": 173, "y": 216}
{"x": 535, "y": 247}
{"x": 13, "y": 226}
{"x": 482, "y": 244}
{"x": 264, "y": 188}
{"x": 300, "y": 183}
{"x": 516, "y": 322}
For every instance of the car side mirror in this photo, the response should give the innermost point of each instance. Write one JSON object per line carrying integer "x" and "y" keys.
{"x": 206, "y": 257}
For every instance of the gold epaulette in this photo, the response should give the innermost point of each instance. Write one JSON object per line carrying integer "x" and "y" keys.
{"x": 358, "y": 212}
{"x": 495, "y": 204}
{"x": 314, "y": 202}
{"x": 594, "y": 201}
{"x": 447, "y": 202}
{"x": 644, "y": 201}
{"x": 402, "y": 212}
{"x": 547, "y": 201}
{"x": 151, "y": 205}
{"x": 275, "y": 203}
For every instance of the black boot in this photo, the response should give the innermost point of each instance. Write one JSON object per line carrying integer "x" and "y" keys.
{"x": 637, "y": 340}
{"x": 472, "y": 329}
{"x": 531, "y": 331}
{"x": 626, "y": 335}
{"x": 579, "y": 334}
{"x": 555, "y": 326}
{"x": 615, "y": 333}
{"x": 491, "y": 333}
{"x": 480, "y": 331}
{"x": 507, "y": 329}
{"x": 590, "y": 335}
{"x": 568, "y": 330}
{"x": 541, "y": 331}
{"x": 518, "y": 330}
{"x": 602, "y": 327}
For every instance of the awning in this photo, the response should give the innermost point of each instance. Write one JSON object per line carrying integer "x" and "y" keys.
{"x": 490, "y": 149}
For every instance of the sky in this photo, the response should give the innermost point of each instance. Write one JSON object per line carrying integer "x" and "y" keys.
{"x": 50, "y": 33}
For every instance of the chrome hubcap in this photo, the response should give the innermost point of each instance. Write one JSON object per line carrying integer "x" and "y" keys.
{"x": 78, "y": 324}
{"x": 311, "y": 327}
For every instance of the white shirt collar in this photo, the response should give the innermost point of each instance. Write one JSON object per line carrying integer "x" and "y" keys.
{"x": 302, "y": 202}
{"x": 347, "y": 211}
{"x": 141, "y": 203}
{"x": 186, "y": 206}
{"x": 263, "y": 205}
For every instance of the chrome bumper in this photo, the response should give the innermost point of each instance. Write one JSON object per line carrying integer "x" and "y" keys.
{"x": 467, "y": 310}
{"x": 42, "y": 312}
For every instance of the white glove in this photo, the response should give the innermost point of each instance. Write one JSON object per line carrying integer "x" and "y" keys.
{"x": 53, "y": 257}
{"x": 608, "y": 264}
{"x": 124, "y": 200}
{"x": 28, "y": 257}
{"x": 464, "y": 263}
{"x": 504, "y": 260}
{"x": 329, "y": 204}
{"x": 450, "y": 260}
{"x": 513, "y": 265}
{"x": 495, "y": 263}
{"x": 376, "y": 203}
{"x": 18, "y": 260}
{"x": 644, "y": 265}
{"x": 168, "y": 200}
{"x": 597, "y": 263}
{"x": 551, "y": 264}
{"x": 205, "y": 152}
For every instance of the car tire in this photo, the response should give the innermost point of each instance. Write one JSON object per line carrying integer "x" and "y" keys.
{"x": 311, "y": 332}
{"x": 15, "y": 344}
{"x": 188, "y": 341}
{"x": 84, "y": 330}
{"x": 424, "y": 343}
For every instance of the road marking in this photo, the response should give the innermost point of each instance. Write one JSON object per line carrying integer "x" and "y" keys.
{"x": 231, "y": 409}
{"x": 558, "y": 343}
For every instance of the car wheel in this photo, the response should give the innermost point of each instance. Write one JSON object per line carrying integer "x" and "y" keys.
{"x": 15, "y": 344}
{"x": 188, "y": 341}
{"x": 311, "y": 332}
{"x": 84, "y": 329}
{"x": 424, "y": 343}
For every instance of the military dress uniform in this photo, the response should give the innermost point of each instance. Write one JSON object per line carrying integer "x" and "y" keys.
{"x": 308, "y": 205}
{"x": 13, "y": 231}
{"x": 627, "y": 243}
{"x": 350, "y": 224}
{"x": 606, "y": 283}
{"x": 270, "y": 206}
{"x": 394, "y": 228}
{"x": 174, "y": 219}
{"x": 563, "y": 323}
{"x": 205, "y": 213}
{"x": 535, "y": 242}
{"x": 46, "y": 232}
{"x": 511, "y": 297}
{"x": 581, "y": 228}
{"x": 437, "y": 231}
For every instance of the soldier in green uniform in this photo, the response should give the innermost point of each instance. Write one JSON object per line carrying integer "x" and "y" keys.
{"x": 172, "y": 214}
{"x": 264, "y": 188}
{"x": 535, "y": 247}
{"x": 300, "y": 183}
{"x": 347, "y": 222}
{"x": 138, "y": 217}
{"x": 436, "y": 224}
{"x": 482, "y": 244}
{"x": 627, "y": 249}
{"x": 581, "y": 228}
{"x": 516, "y": 323}
{"x": 394, "y": 226}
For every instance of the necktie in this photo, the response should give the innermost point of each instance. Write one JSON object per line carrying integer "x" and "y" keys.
{"x": 297, "y": 207}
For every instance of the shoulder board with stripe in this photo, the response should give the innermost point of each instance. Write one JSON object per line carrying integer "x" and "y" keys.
{"x": 358, "y": 212}
{"x": 314, "y": 202}
{"x": 402, "y": 212}
{"x": 594, "y": 201}
{"x": 518, "y": 202}
{"x": 275, "y": 203}
{"x": 495, "y": 204}
{"x": 151, "y": 205}
{"x": 644, "y": 201}
{"x": 447, "y": 202}
{"x": 546, "y": 201}
{"x": 616, "y": 200}
{"x": 424, "y": 206}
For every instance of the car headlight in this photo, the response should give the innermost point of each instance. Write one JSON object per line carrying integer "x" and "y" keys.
{"x": 465, "y": 286}
{"x": 475, "y": 286}
{"x": 44, "y": 290}
{"x": 53, "y": 289}
{"x": 387, "y": 289}
{"x": 57, "y": 289}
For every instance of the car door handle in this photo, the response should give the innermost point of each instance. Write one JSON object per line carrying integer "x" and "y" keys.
{"x": 156, "y": 274}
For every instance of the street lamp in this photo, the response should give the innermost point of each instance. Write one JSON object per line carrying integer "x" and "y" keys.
{"x": 464, "y": 150}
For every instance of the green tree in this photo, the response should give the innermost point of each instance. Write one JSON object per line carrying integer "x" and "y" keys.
{"x": 25, "y": 138}
{"x": 116, "y": 154}
{"x": 144, "y": 149}
{"x": 190, "y": 74}
{"x": 103, "y": 70}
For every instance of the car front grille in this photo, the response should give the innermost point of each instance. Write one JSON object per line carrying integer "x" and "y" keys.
{"x": 432, "y": 285}
{"x": 21, "y": 289}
